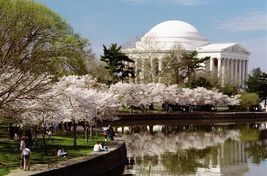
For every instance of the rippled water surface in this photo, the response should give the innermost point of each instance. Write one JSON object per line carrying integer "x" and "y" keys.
{"x": 206, "y": 150}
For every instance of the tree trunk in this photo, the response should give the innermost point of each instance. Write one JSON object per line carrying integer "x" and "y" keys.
{"x": 74, "y": 134}
{"x": 43, "y": 134}
{"x": 91, "y": 131}
{"x": 35, "y": 135}
{"x": 44, "y": 140}
{"x": 96, "y": 134}
{"x": 84, "y": 130}
{"x": 87, "y": 136}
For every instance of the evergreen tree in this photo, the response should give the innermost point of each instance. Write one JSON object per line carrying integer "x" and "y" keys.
{"x": 199, "y": 82}
{"x": 228, "y": 90}
{"x": 117, "y": 63}
{"x": 181, "y": 66}
{"x": 257, "y": 82}
{"x": 191, "y": 63}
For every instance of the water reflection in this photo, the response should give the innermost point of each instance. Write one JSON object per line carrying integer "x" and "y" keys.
{"x": 194, "y": 150}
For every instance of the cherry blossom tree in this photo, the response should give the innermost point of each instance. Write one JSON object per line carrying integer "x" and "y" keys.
{"x": 146, "y": 94}
{"x": 82, "y": 99}
{"x": 129, "y": 95}
{"x": 74, "y": 99}
{"x": 40, "y": 113}
{"x": 17, "y": 86}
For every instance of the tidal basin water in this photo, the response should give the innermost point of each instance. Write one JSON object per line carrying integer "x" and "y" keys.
{"x": 202, "y": 150}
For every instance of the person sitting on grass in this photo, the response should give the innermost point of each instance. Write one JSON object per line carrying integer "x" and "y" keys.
{"x": 98, "y": 147}
{"x": 61, "y": 153}
{"x": 104, "y": 147}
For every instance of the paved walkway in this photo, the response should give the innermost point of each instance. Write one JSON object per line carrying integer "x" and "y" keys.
{"x": 37, "y": 168}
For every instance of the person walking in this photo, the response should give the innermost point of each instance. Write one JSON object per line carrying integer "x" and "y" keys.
{"x": 22, "y": 144}
{"x": 26, "y": 157}
{"x": 111, "y": 133}
{"x": 49, "y": 133}
{"x": 21, "y": 148}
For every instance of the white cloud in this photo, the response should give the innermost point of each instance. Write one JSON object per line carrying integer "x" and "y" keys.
{"x": 175, "y": 2}
{"x": 253, "y": 21}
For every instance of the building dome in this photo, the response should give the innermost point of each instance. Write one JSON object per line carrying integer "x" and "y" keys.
{"x": 173, "y": 33}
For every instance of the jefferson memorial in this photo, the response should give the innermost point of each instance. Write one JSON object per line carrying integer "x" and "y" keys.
{"x": 228, "y": 61}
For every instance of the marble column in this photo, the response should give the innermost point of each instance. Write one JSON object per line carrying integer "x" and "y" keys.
{"x": 227, "y": 70}
{"x": 159, "y": 68}
{"x": 231, "y": 71}
{"x": 219, "y": 68}
{"x": 246, "y": 69}
{"x": 240, "y": 73}
{"x": 152, "y": 69}
{"x": 136, "y": 70}
{"x": 223, "y": 71}
{"x": 233, "y": 68}
{"x": 244, "y": 72}
{"x": 236, "y": 72}
{"x": 211, "y": 64}
{"x": 143, "y": 71}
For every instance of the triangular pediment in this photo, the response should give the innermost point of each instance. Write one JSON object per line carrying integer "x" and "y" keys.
{"x": 223, "y": 47}
{"x": 236, "y": 48}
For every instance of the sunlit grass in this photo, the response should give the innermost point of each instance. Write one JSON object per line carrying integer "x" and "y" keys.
{"x": 10, "y": 154}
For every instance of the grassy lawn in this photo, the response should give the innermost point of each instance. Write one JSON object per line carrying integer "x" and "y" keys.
{"x": 10, "y": 154}
{"x": 4, "y": 133}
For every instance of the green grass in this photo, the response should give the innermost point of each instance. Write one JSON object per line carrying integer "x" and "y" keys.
{"x": 10, "y": 154}
{"x": 4, "y": 132}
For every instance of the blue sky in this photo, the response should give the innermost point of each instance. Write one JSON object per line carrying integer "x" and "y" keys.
{"x": 123, "y": 21}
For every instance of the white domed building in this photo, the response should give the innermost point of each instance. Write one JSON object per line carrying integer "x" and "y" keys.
{"x": 228, "y": 61}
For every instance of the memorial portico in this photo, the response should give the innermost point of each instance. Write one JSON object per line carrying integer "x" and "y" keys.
{"x": 231, "y": 59}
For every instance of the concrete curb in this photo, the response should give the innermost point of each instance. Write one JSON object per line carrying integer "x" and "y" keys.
{"x": 97, "y": 164}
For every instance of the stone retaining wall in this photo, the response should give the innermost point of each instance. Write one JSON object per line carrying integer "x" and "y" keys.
{"x": 193, "y": 117}
{"x": 110, "y": 163}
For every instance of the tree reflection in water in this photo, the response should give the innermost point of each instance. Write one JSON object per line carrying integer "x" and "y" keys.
{"x": 146, "y": 144}
{"x": 185, "y": 162}
{"x": 220, "y": 151}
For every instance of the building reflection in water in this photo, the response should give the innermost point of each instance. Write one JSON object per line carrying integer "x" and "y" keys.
{"x": 185, "y": 150}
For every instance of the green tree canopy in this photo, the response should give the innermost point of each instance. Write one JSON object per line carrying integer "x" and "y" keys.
{"x": 257, "y": 82}
{"x": 181, "y": 66}
{"x": 228, "y": 90}
{"x": 97, "y": 69}
{"x": 117, "y": 63}
{"x": 249, "y": 99}
{"x": 199, "y": 82}
{"x": 191, "y": 63}
{"x": 32, "y": 37}
{"x": 36, "y": 45}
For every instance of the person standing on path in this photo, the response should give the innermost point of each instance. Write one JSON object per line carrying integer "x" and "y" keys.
{"x": 111, "y": 133}
{"x": 21, "y": 148}
{"x": 26, "y": 157}
{"x": 22, "y": 144}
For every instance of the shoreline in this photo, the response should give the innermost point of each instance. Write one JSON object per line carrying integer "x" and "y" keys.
{"x": 189, "y": 118}
{"x": 95, "y": 163}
